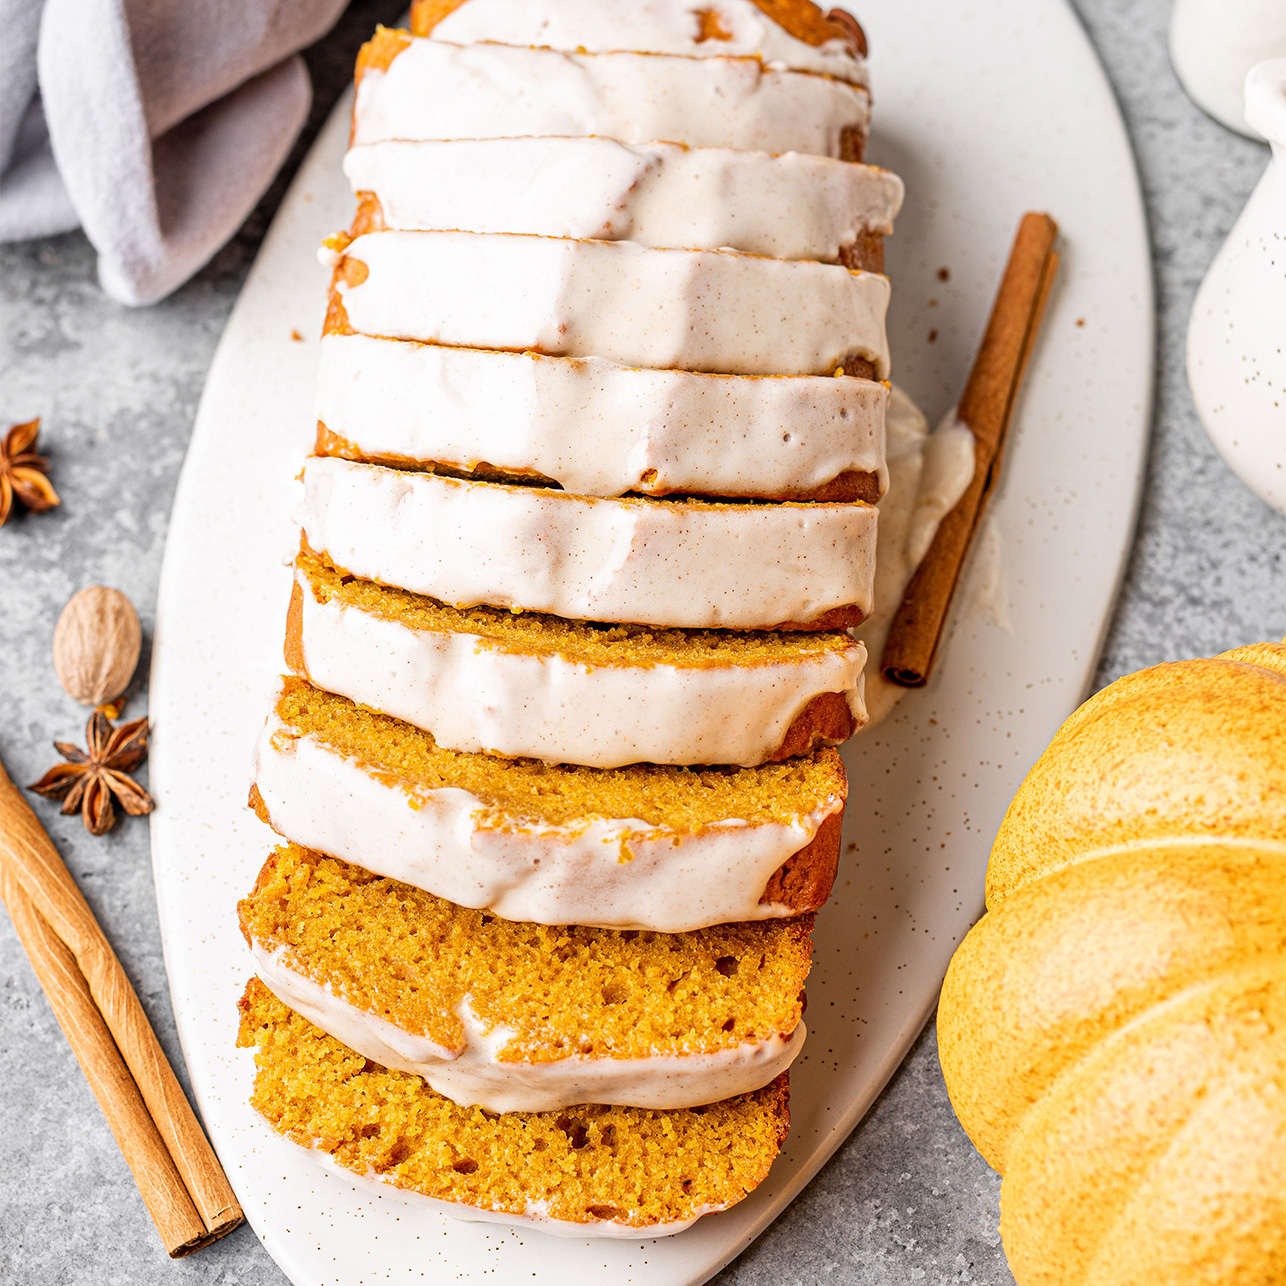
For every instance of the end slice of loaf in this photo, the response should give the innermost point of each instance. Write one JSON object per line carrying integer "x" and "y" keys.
{"x": 788, "y": 33}
{"x": 586, "y": 1171}
{"x": 411, "y": 88}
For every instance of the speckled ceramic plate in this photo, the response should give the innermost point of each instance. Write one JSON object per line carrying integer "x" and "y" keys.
{"x": 986, "y": 109}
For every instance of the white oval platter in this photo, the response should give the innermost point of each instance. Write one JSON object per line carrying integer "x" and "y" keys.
{"x": 986, "y": 109}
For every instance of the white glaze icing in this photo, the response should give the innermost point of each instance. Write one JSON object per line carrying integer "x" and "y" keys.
{"x": 536, "y": 1217}
{"x": 791, "y": 207}
{"x": 700, "y": 310}
{"x": 475, "y": 696}
{"x": 651, "y": 431}
{"x": 986, "y": 581}
{"x": 928, "y": 473}
{"x": 618, "y": 873}
{"x": 946, "y": 470}
{"x": 437, "y": 90}
{"x": 473, "y": 1074}
{"x": 654, "y": 562}
{"x": 651, "y": 26}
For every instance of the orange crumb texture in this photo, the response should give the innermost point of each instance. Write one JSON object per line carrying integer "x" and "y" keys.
{"x": 585, "y": 1164}
{"x": 413, "y": 959}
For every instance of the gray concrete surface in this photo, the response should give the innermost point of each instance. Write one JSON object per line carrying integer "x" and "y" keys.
{"x": 907, "y": 1199}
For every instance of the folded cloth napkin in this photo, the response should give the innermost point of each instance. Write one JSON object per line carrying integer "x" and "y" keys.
{"x": 153, "y": 124}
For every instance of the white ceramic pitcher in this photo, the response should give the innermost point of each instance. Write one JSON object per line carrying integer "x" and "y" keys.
{"x": 1214, "y": 43}
{"x": 1237, "y": 334}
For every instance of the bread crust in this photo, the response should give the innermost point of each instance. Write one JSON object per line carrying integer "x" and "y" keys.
{"x": 426, "y": 14}
{"x": 826, "y": 720}
{"x": 804, "y": 881}
{"x": 380, "y": 50}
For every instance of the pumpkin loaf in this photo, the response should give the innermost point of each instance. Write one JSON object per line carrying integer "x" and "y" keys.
{"x": 594, "y": 1170}
{"x": 465, "y": 999}
{"x": 533, "y": 686}
{"x": 600, "y": 428}
{"x": 644, "y": 847}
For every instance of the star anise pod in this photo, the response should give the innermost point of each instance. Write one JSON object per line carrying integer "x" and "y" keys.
{"x": 22, "y": 472}
{"x": 88, "y": 781}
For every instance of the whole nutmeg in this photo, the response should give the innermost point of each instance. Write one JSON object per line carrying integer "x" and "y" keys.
{"x": 96, "y": 645}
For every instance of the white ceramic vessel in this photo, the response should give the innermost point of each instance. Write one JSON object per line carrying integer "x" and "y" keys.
{"x": 1214, "y": 43}
{"x": 1237, "y": 334}
{"x": 1015, "y": 95}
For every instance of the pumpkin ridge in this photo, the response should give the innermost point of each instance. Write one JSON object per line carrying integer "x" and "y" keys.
{"x": 1036, "y": 1139}
{"x": 1217, "y": 720}
{"x": 1268, "y": 847}
{"x": 1038, "y": 982}
{"x": 1116, "y": 1261}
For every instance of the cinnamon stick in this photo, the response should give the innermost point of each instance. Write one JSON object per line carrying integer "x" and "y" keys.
{"x": 986, "y": 407}
{"x": 177, "y": 1172}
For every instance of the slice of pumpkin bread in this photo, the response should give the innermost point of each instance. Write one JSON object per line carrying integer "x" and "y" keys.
{"x": 530, "y": 685}
{"x": 644, "y": 847}
{"x": 467, "y": 1000}
{"x": 413, "y": 88}
{"x": 594, "y": 1170}
{"x": 686, "y": 564}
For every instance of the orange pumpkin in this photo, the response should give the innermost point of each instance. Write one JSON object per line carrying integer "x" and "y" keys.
{"x": 1113, "y": 1031}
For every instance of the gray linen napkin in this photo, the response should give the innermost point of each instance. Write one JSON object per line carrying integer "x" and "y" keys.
{"x": 154, "y": 124}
